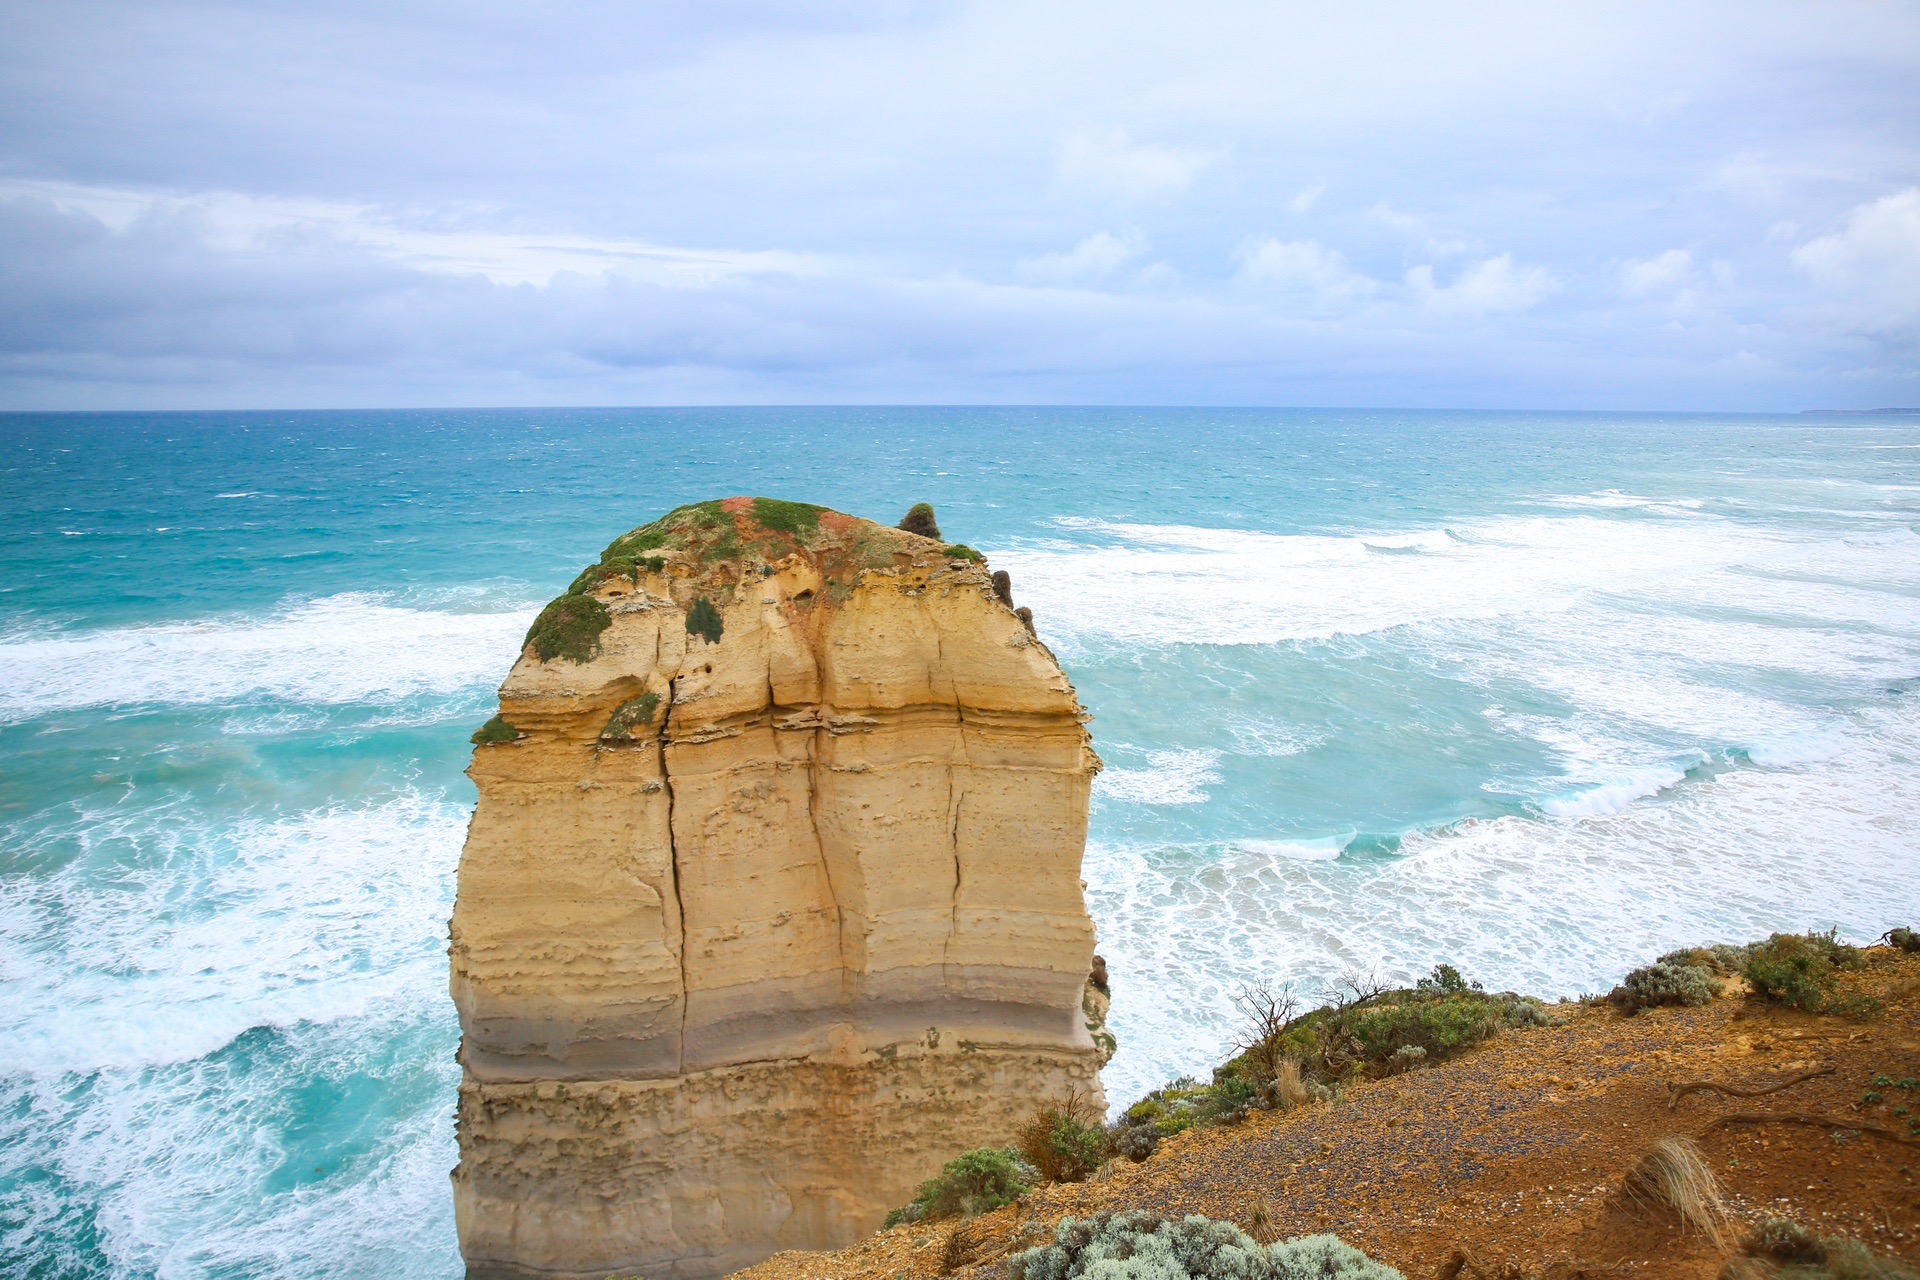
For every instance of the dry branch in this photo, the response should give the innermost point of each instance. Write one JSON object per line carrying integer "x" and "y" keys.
{"x": 1678, "y": 1089}
{"x": 1808, "y": 1118}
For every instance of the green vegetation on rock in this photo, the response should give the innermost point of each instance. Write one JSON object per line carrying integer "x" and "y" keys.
{"x": 569, "y": 628}
{"x": 961, "y": 551}
{"x": 710, "y": 548}
{"x": 631, "y": 715}
{"x": 494, "y": 731}
{"x": 798, "y": 519}
{"x": 919, "y": 520}
{"x": 704, "y": 620}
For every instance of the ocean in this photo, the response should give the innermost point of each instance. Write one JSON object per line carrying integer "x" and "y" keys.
{"x": 1538, "y": 695}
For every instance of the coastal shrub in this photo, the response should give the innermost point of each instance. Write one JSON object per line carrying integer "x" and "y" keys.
{"x": 1802, "y": 970}
{"x": 919, "y": 519}
{"x": 1326, "y": 1257}
{"x": 1228, "y": 1101}
{"x": 1134, "y": 1141}
{"x": 978, "y": 1182}
{"x": 633, "y": 714}
{"x": 1720, "y": 960}
{"x": 1665, "y": 983}
{"x": 1172, "y": 1108}
{"x": 1136, "y": 1245}
{"x": 961, "y": 551}
{"x": 704, "y": 620}
{"x": 1063, "y": 1141}
{"x": 1406, "y": 1058}
{"x": 493, "y": 731}
{"x": 569, "y": 628}
{"x": 1902, "y": 939}
{"x": 1781, "y": 1249}
{"x": 1366, "y": 1031}
{"x": 1783, "y": 1240}
{"x": 1286, "y": 1058}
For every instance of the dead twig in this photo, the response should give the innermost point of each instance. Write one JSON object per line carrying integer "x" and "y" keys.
{"x": 1678, "y": 1089}
{"x": 1809, "y": 1119}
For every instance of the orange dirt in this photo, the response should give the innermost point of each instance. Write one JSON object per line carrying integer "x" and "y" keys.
{"x": 1509, "y": 1161}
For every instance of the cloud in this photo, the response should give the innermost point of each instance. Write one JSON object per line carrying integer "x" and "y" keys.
{"x": 1490, "y": 285}
{"x": 1094, "y": 258}
{"x": 1663, "y": 274}
{"x": 1305, "y": 200}
{"x": 243, "y": 223}
{"x": 405, "y": 201}
{"x": 1110, "y": 162}
{"x": 1872, "y": 265}
{"x": 1302, "y": 267}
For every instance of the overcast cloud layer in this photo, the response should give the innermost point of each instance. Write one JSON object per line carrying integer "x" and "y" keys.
{"x": 1712, "y": 205}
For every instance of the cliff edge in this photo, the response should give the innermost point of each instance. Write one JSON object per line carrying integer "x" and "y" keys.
{"x": 771, "y": 902}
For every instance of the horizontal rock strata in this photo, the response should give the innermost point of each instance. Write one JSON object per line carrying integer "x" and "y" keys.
{"x": 771, "y": 902}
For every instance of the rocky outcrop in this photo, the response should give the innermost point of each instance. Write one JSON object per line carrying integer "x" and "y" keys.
{"x": 771, "y": 903}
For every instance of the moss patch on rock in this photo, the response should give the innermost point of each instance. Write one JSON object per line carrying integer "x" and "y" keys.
{"x": 494, "y": 731}
{"x": 630, "y": 717}
{"x": 703, "y": 620}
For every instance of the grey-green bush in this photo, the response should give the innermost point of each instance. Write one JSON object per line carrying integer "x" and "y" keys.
{"x": 1665, "y": 983}
{"x": 1135, "y": 1141}
{"x": 1144, "y": 1246}
{"x": 1788, "y": 1251}
{"x": 1326, "y": 1258}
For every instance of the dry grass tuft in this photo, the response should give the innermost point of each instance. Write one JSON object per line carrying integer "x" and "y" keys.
{"x": 1673, "y": 1175}
{"x": 1288, "y": 1088}
{"x": 1260, "y": 1223}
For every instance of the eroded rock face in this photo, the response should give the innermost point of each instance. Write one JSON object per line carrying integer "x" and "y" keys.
{"x": 771, "y": 904}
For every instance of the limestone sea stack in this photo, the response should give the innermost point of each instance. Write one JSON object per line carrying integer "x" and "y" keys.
{"x": 772, "y": 902}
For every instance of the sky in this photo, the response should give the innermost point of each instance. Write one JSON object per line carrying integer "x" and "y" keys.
{"x": 1710, "y": 206}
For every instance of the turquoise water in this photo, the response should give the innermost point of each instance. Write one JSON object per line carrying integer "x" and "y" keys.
{"x": 1539, "y": 695}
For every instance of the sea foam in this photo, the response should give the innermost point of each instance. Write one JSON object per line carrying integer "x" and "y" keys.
{"x": 1552, "y": 907}
{"x": 1159, "y": 585}
{"x": 351, "y": 648}
{"x": 174, "y": 932}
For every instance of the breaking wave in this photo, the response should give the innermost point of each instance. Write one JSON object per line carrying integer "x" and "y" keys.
{"x": 350, "y": 648}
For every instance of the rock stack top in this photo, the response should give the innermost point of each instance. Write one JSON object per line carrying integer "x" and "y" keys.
{"x": 705, "y": 549}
